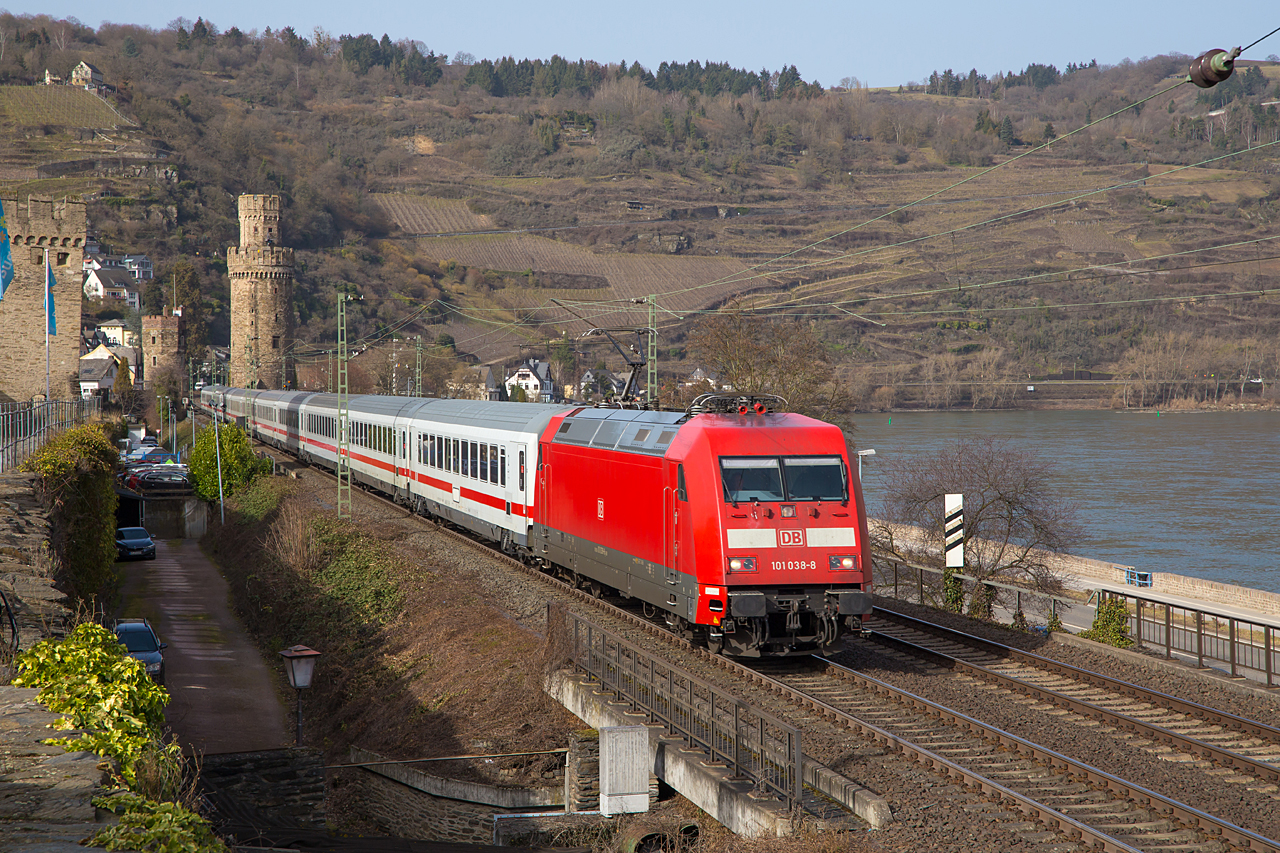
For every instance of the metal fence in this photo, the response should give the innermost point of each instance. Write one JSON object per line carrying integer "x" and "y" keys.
{"x": 1242, "y": 647}
{"x": 26, "y": 426}
{"x": 750, "y": 743}
{"x": 924, "y": 585}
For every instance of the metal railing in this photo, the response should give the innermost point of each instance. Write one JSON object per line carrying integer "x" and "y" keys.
{"x": 924, "y": 585}
{"x": 752, "y": 744}
{"x": 1240, "y": 646}
{"x": 24, "y": 427}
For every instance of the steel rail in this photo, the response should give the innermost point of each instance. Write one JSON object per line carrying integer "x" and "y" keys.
{"x": 1134, "y": 691}
{"x": 1123, "y": 722}
{"x": 1186, "y": 815}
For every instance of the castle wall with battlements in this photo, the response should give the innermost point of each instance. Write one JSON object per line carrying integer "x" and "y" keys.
{"x": 261, "y": 271}
{"x": 36, "y": 225}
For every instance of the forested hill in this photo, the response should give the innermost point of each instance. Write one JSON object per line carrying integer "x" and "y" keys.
{"x": 603, "y": 181}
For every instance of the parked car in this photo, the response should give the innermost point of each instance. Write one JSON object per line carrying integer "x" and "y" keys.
{"x": 135, "y": 543}
{"x": 141, "y": 643}
{"x": 159, "y": 479}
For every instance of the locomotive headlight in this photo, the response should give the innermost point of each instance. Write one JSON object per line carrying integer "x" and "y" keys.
{"x": 742, "y": 564}
{"x": 843, "y": 563}
{"x": 788, "y": 511}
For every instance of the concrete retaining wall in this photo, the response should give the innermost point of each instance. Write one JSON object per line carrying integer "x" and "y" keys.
{"x": 408, "y": 803}
{"x": 709, "y": 786}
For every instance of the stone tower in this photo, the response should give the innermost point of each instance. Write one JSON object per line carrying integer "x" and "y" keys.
{"x": 161, "y": 342}
{"x": 59, "y": 227}
{"x": 261, "y": 298}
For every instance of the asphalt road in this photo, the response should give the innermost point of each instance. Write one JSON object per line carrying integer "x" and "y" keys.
{"x": 224, "y": 696}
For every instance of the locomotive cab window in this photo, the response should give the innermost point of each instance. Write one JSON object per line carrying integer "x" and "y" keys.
{"x": 796, "y": 478}
{"x": 752, "y": 479}
{"x": 815, "y": 478}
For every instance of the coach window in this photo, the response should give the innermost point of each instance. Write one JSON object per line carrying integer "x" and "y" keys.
{"x": 502, "y": 465}
{"x": 475, "y": 462}
{"x": 493, "y": 463}
{"x": 468, "y": 451}
{"x": 484, "y": 463}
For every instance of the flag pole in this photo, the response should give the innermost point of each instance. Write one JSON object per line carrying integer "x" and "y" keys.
{"x": 47, "y": 297}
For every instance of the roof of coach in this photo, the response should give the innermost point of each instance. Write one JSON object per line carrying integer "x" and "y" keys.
{"x": 629, "y": 430}
{"x": 521, "y": 417}
{"x": 286, "y": 397}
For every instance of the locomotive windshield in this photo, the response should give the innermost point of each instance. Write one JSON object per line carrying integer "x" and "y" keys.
{"x": 762, "y": 478}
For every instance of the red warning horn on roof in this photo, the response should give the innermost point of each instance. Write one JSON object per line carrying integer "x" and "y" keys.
{"x": 761, "y": 408}
{"x": 742, "y": 409}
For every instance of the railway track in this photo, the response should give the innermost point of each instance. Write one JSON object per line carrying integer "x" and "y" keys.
{"x": 1248, "y": 750}
{"x": 1118, "y": 814}
{"x": 1059, "y": 797}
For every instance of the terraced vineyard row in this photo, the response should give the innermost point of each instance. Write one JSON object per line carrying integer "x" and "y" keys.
{"x": 427, "y": 215}
{"x": 63, "y": 106}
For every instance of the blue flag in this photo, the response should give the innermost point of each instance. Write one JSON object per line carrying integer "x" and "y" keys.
{"x": 6, "y": 257}
{"x": 50, "y": 281}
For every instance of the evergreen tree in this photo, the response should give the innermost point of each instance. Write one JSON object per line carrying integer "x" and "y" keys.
{"x": 1006, "y": 131}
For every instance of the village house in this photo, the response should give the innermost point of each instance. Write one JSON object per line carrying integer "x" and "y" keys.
{"x": 533, "y": 377}
{"x": 598, "y": 381}
{"x": 476, "y": 383}
{"x": 138, "y": 266}
{"x": 86, "y": 76}
{"x": 106, "y": 285}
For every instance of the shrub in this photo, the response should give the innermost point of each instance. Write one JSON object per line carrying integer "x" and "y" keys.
{"x": 1110, "y": 624}
{"x": 77, "y": 476}
{"x": 239, "y": 464}
{"x": 101, "y": 690}
{"x": 153, "y": 827}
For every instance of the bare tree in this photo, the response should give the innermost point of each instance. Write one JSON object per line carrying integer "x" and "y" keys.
{"x": 754, "y": 354}
{"x": 1013, "y": 520}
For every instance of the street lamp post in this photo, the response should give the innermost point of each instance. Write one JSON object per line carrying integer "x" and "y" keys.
{"x": 300, "y": 663}
{"x": 862, "y": 453}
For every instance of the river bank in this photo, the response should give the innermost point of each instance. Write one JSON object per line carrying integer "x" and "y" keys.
{"x": 1191, "y": 496}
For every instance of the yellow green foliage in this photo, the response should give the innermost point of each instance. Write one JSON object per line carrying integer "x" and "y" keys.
{"x": 77, "y": 475}
{"x": 102, "y": 691}
{"x": 152, "y": 827}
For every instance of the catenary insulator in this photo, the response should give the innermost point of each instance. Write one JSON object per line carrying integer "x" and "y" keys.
{"x": 1212, "y": 67}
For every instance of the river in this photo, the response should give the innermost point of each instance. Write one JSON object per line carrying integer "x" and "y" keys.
{"x": 1195, "y": 493}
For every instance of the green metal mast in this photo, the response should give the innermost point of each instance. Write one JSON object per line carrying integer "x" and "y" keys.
{"x": 651, "y": 392}
{"x": 344, "y": 414}
{"x": 417, "y": 375}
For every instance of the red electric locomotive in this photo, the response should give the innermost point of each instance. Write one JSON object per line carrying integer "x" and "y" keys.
{"x": 744, "y": 525}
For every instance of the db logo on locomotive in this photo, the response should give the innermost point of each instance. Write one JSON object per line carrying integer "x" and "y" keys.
{"x": 791, "y": 537}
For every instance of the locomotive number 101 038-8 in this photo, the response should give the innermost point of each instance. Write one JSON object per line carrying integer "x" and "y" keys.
{"x": 794, "y": 565}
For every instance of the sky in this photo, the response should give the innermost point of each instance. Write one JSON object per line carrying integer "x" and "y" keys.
{"x": 881, "y": 44}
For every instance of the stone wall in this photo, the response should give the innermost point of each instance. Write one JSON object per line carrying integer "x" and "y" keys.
{"x": 285, "y": 785}
{"x": 582, "y": 772}
{"x": 36, "y": 225}
{"x": 26, "y": 564}
{"x": 408, "y": 803}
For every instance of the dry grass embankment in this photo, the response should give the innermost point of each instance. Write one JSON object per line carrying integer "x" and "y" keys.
{"x": 416, "y": 662}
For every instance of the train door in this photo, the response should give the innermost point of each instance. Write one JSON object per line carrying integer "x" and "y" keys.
{"x": 543, "y": 500}
{"x": 401, "y": 461}
{"x": 672, "y": 521}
